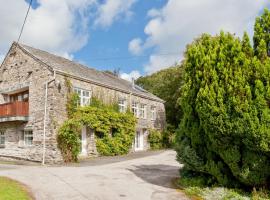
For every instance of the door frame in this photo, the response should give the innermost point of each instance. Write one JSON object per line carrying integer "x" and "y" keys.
{"x": 84, "y": 141}
{"x": 139, "y": 140}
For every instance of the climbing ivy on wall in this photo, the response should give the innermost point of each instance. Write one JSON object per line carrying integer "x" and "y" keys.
{"x": 114, "y": 131}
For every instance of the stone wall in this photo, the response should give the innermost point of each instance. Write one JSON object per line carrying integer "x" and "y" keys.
{"x": 21, "y": 69}
{"x": 108, "y": 96}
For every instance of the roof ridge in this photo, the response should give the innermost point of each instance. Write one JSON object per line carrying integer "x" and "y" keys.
{"x": 86, "y": 67}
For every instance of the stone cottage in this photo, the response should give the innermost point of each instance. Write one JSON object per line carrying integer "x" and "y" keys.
{"x": 33, "y": 97}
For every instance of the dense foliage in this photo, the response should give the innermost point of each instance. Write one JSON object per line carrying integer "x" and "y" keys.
{"x": 155, "y": 139}
{"x": 114, "y": 131}
{"x": 262, "y": 32}
{"x": 225, "y": 130}
{"x": 166, "y": 84}
{"x": 68, "y": 140}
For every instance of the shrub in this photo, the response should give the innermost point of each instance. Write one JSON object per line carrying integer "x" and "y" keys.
{"x": 68, "y": 141}
{"x": 225, "y": 128}
{"x": 155, "y": 139}
{"x": 168, "y": 137}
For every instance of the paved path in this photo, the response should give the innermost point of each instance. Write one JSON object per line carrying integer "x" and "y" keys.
{"x": 136, "y": 179}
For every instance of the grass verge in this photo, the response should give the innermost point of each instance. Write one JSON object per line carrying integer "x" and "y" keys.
{"x": 13, "y": 190}
{"x": 196, "y": 189}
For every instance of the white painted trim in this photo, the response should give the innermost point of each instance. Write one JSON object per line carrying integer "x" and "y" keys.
{"x": 84, "y": 141}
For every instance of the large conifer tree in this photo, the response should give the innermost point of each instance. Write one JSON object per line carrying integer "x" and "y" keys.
{"x": 225, "y": 130}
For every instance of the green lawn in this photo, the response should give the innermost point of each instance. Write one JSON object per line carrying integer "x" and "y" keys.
{"x": 13, "y": 190}
{"x": 196, "y": 190}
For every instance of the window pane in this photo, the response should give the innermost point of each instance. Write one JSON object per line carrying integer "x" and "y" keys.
{"x": 28, "y": 137}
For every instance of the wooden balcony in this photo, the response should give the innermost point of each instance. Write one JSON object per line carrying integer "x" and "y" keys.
{"x": 15, "y": 111}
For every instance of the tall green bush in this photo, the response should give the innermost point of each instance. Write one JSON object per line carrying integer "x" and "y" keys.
{"x": 155, "y": 139}
{"x": 68, "y": 140}
{"x": 225, "y": 130}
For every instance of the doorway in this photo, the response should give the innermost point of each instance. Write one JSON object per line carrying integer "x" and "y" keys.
{"x": 139, "y": 140}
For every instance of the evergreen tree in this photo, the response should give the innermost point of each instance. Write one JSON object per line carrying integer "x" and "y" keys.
{"x": 246, "y": 46}
{"x": 225, "y": 130}
{"x": 262, "y": 31}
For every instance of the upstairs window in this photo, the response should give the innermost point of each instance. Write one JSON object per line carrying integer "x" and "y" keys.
{"x": 122, "y": 103}
{"x": 28, "y": 137}
{"x": 153, "y": 113}
{"x": 143, "y": 111}
{"x": 135, "y": 109}
{"x": 2, "y": 138}
{"x": 22, "y": 96}
{"x": 84, "y": 96}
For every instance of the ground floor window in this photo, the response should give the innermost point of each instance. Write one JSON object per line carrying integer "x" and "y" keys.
{"x": 2, "y": 138}
{"x": 28, "y": 137}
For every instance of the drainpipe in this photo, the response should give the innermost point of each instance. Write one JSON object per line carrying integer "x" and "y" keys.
{"x": 45, "y": 117}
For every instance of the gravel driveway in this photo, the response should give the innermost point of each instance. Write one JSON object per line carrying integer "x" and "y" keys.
{"x": 140, "y": 178}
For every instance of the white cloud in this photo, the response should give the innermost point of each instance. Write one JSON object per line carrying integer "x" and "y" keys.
{"x": 133, "y": 74}
{"x": 112, "y": 10}
{"x": 135, "y": 46}
{"x": 60, "y": 26}
{"x": 175, "y": 25}
{"x": 57, "y": 26}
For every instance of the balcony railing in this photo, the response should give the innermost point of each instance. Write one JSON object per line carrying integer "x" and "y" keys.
{"x": 14, "y": 109}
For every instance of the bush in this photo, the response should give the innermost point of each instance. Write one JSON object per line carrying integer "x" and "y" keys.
{"x": 168, "y": 137}
{"x": 155, "y": 139}
{"x": 68, "y": 141}
{"x": 225, "y": 130}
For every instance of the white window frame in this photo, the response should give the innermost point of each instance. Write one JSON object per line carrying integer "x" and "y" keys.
{"x": 135, "y": 108}
{"x": 84, "y": 99}
{"x": 28, "y": 137}
{"x": 122, "y": 103}
{"x": 2, "y": 138}
{"x": 153, "y": 113}
{"x": 143, "y": 111}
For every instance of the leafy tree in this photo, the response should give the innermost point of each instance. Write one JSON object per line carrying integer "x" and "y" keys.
{"x": 166, "y": 84}
{"x": 225, "y": 130}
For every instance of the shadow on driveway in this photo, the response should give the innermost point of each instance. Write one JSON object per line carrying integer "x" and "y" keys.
{"x": 161, "y": 175}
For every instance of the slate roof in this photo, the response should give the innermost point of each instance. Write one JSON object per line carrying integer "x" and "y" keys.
{"x": 78, "y": 70}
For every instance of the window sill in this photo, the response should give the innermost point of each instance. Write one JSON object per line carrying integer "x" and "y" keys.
{"x": 2, "y": 146}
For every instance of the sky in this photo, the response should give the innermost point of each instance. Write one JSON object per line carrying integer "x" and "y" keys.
{"x": 136, "y": 37}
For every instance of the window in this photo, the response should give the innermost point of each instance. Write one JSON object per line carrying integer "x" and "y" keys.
{"x": 143, "y": 111}
{"x": 153, "y": 113}
{"x": 22, "y": 96}
{"x": 84, "y": 96}
{"x": 2, "y": 138}
{"x": 28, "y": 137}
{"x": 122, "y": 103}
{"x": 135, "y": 109}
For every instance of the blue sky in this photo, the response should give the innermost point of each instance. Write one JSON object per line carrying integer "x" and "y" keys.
{"x": 138, "y": 37}
{"x": 107, "y": 49}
